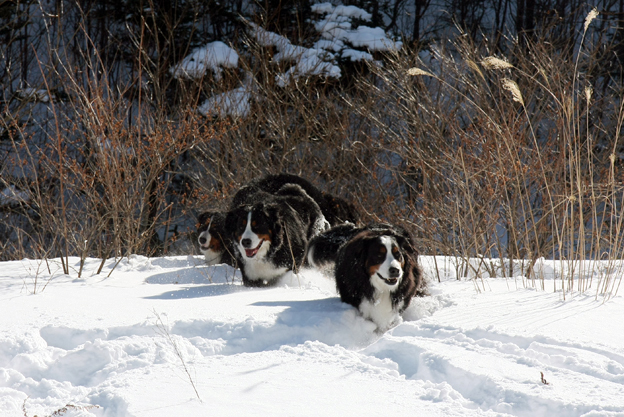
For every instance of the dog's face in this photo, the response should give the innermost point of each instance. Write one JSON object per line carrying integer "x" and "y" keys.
{"x": 253, "y": 234}
{"x": 384, "y": 263}
{"x": 209, "y": 242}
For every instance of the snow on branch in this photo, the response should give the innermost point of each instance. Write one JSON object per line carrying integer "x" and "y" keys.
{"x": 234, "y": 103}
{"x": 212, "y": 56}
{"x": 337, "y": 27}
{"x": 337, "y": 39}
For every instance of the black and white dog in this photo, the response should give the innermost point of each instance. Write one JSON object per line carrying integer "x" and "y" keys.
{"x": 323, "y": 248}
{"x": 336, "y": 210}
{"x": 376, "y": 270}
{"x": 214, "y": 242}
{"x": 271, "y": 230}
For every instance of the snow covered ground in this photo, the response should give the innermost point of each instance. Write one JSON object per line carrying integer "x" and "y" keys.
{"x": 173, "y": 337}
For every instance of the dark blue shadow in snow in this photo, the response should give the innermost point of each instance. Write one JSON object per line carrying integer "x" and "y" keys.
{"x": 218, "y": 274}
{"x": 198, "y": 292}
{"x": 307, "y": 312}
{"x": 323, "y": 304}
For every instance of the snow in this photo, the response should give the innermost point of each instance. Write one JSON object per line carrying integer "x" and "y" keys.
{"x": 308, "y": 61}
{"x": 235, "y": 103}
{"x": 212, "y": 56}
{"x": 337, "y": 38}
{"x": 337, "y": 27}
{"x": 335, "y": 12}
{"x": 33, "y": 94}
{"x": 141, "y": 341}
{"x": 11, "y": 195}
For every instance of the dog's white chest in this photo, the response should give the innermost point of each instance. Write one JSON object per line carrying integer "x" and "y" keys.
{"x": 380, "y": 310}
{"x": 257, "y": 269}
{"x": 212, "y": 257}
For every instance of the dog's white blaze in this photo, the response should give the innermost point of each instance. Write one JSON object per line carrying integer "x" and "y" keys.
{"x": 380, "y": 309}
{"x": 310, "y": 256}
{"x": 212, "y": 257}
{"x": 384, "y": 269}
{"x": 249, "y": 234}
{"x": 256, "y": 268}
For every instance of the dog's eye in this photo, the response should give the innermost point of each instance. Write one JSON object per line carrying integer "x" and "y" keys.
{"x": 380, "y": 256}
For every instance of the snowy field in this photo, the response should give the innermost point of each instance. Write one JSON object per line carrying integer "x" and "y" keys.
{"x": 173, "y": 337}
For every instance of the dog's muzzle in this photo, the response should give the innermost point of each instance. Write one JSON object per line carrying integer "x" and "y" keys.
{"x": 250, "y": 253}
{"x": 393, "y": 279}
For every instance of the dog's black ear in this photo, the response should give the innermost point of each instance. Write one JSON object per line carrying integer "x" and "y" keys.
{"x": 231, "y": 220}
{"x": 204, "y": 218}
{"x": 217, "y": 221}
{"x": 354, "y": 253}
{"x": 406, "y": 242}
{"x": 272, "y": 211}
{"x": 352, "y": 278}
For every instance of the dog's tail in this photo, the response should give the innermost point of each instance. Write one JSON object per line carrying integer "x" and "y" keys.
{"x": 323, "y": 248}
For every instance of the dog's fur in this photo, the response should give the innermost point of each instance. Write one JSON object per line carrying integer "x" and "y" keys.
{"x": 323, "y": 249}
{"x": 213, "y": 240}
{"x": 335, "y": 209}
{"x": 377, "y": 272}
{"x": 270, "y": 231}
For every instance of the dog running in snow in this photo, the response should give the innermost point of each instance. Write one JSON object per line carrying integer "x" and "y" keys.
{"x": 336, "y": 210}
{"x": 376, "y": 269}
{"x": 270, "y": 231}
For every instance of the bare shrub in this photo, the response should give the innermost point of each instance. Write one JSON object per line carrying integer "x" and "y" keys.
{"x": 497, "y": 159}
{"x": 104, "y": 175}
{"x": 500, "y": 160}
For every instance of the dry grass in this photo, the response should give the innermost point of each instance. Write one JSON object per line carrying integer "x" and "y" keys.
{"x": 498, "y": 160}
{"x": 514, "y": 162}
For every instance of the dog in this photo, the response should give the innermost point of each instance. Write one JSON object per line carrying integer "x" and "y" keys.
{"x": 377, "y": 272}
{"x": 336, "y": 210}
{"x": 323, "y": 248}
{"x": 270, "y": 231}
{"x": 214, "y": 243}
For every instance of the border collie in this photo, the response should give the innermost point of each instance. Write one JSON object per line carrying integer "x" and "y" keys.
{"x": 335, "y": 209}
{"x": 270, "y": 232}
{"x": 377, "y": 272}
{"x": 213, "y": 240}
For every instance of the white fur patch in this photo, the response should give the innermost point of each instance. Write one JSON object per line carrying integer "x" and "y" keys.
{"x": 310, "y": 256}
{"x": 320, "y": 225}
{"x": 262, "y": 270}
{"x": 212, "y": 257}
{"x": 379, "y": 309}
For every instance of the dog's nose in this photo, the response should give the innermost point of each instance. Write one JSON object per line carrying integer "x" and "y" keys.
{"x": 394, "y": 272}
{"x": 202, "y": 240}
{"x": 246, "y": 243}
